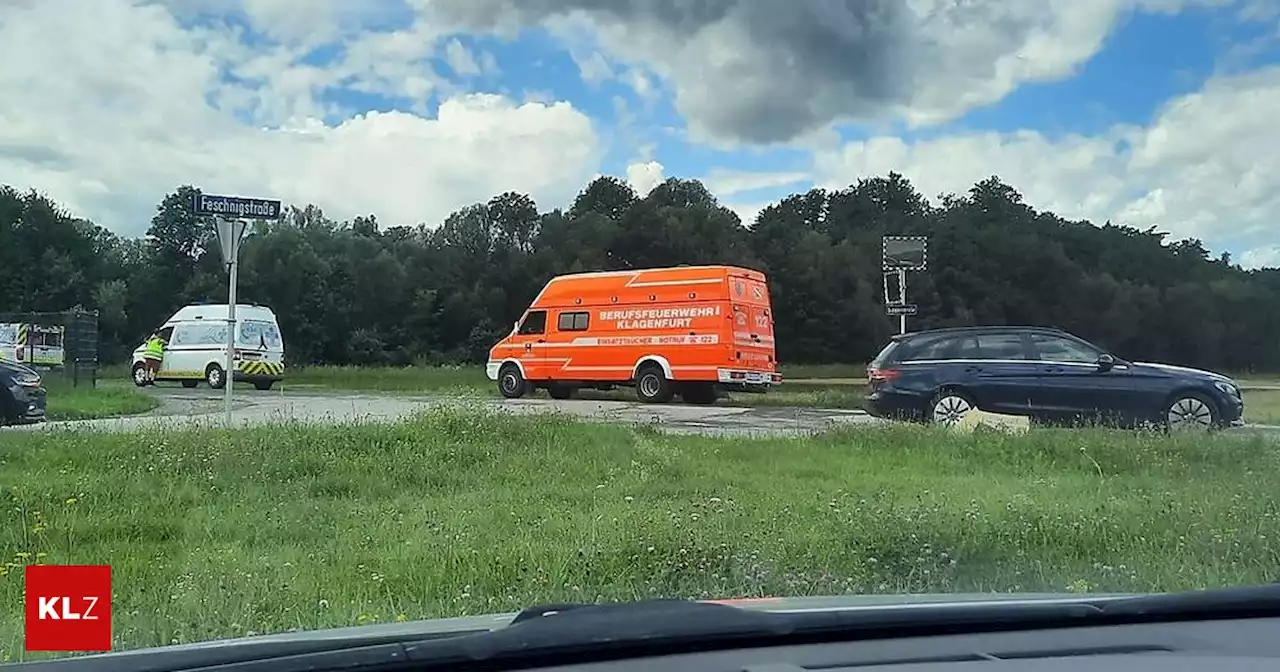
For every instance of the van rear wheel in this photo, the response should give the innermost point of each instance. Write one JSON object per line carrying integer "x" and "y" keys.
{"x": 511, "y": 383}
{"x": 699, "y": 393}
{"x": 557, "y": 391}
{"x": 652, "y": 386}
{"x": 215, "y": 376}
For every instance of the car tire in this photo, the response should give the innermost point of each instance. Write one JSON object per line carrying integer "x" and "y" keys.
{"x": 190, "y": 384}
{"x": 1191, "y": 411}
{"x": 948, "y": 408}
{"x": 560, "y": 391}
{"x": 215, "y": 376}
{"x": 652, "y": 386}
{"x": 702, "y": 394}
{"x": 263, "y": 386}
{"x": 139, "y": 374}
{"x": 511, "y": 383}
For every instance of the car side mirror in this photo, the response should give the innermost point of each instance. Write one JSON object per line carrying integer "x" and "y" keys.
{"x": 1106, "y": 362}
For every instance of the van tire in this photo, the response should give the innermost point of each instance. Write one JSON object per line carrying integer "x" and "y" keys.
{"x": 511, "y": 384}
{"x": 557, "y": 391}
{"x": 652, "y": 386}
{"x": 699, "y": 393}
{"x": 215, "y": 376}
{"x": 189, "y": 384}
{"x": 139, "y": 374}
{"x": 264, "y": 385}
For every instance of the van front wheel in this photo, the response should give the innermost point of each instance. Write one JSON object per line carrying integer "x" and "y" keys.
{"x": 652, "y": 386}
{"x": 511, "y": 384}
{"x": 140, "y": 374}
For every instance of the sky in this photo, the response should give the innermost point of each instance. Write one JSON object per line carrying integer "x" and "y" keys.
{"x": 1142, "y": 112}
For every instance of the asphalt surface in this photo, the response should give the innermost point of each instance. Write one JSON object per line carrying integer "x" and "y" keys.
{"x": 204, "y": 407}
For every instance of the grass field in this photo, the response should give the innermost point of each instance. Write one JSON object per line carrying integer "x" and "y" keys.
{"x": 211, "y": 535}
{"x": 108, "y": 399}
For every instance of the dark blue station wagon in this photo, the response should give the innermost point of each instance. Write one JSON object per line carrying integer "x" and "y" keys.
{"x": 1047, "y": 374}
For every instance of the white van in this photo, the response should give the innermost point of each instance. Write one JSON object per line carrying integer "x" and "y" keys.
{"x": 33, "y": 344}
{"x": 197, "y": 347}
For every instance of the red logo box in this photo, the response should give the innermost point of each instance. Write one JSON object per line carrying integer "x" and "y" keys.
{"x": 68, "y": 607}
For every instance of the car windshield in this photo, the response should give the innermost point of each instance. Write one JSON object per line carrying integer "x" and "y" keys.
{"x": 584, "y": 302}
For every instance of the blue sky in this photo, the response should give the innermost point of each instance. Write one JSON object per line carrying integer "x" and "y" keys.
{"x": 1099, "y": 111}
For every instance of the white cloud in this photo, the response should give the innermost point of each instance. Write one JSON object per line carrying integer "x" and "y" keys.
{"x": 644, "y": 176}
{"x": 726, "y": 183}
{"x": 1261, "y": 257}
{"x": 1208, "y": 166}
{"x": 127, "y": 104}
{"x": 460, "y": 59}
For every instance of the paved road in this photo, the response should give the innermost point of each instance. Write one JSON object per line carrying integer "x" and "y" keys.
{"x": 203, "y": 407}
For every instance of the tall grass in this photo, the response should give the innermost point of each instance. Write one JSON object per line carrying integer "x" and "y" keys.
{"x": 215, "y": 534}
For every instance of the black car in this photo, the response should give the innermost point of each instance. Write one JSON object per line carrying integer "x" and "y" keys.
{"x": 22, "y": 397}
{"x": 1047, "y": 374}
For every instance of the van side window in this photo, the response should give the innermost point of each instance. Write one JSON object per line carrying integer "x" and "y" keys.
{"x": 573, "y": 321}
{"x": 534, "y": 323}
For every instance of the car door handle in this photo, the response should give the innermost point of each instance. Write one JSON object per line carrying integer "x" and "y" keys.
{"x": 973, "y": 369}
{"x": 542, "y": 340}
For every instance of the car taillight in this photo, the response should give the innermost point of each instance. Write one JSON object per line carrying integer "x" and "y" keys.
{"x": 881, "y": 375}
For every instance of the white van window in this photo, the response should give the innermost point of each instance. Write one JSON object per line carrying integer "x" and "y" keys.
{"x": 201, "y": 334}
{"x": 255, "y": 333}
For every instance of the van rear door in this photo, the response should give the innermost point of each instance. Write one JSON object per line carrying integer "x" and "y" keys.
{"x": 260, "y": 341}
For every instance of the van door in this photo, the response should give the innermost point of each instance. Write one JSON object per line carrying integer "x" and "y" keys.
{"x": 46, "y": 344}
{"x": 531, "y": 340}
{"x": 260, "y": 348}
{"x": 751, "y": 350}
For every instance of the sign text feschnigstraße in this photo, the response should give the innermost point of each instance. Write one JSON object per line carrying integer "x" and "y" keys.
{"x": 235, "y": 206}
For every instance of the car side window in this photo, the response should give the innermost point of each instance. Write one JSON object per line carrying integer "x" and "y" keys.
{"x": 575, "y": 321}
{"x": 180, "y": 335}
{"x": 936, "y": 349}
{"x": 534, "y": 323}
{"x": 1058, "y": 349}
{"x": 993, "y": 346}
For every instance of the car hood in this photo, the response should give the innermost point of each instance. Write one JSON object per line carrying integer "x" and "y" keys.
{"x": 475, "y": 624}
{"x": 1182, "y": 371}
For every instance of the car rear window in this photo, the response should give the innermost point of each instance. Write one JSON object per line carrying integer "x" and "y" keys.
{"x": 884, "y": 354}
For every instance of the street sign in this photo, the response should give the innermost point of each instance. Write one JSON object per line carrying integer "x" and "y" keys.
{"x": 901, "y": 309}
{"x": 230, "y": 233}
{"x": 906, "y": 253}
{"x": 230, "y": 213}
{"x": 236, "y": 207}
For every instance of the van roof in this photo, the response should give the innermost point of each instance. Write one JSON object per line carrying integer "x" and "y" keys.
{"x": 213, "y": 311}
{"x": 630, "y": 286}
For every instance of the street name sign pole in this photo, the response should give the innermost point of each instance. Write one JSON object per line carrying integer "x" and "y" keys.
{"x": 231, "y": 215}
{"x": 899, "y": 254}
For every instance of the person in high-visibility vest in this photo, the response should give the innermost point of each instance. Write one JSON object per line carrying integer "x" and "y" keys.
{"x": 153, "y": 356}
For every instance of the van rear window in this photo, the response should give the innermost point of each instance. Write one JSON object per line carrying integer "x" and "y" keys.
{"x": 255, "y": 333}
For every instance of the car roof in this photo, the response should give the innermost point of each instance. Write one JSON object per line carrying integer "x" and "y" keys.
{"x": 966, "y": 330}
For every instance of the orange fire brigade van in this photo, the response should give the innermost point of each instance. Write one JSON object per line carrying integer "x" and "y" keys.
{"x": 688, "y": 330}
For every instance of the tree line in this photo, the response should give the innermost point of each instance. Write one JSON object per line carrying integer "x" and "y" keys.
{"x": 354, "y": 292}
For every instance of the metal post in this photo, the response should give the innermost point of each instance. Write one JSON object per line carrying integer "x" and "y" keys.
{"x": 230, "y": 371}
{"x": 902, "y": 284}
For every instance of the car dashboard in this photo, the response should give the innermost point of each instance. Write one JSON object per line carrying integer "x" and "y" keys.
{"x": 1221, "y": 646}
